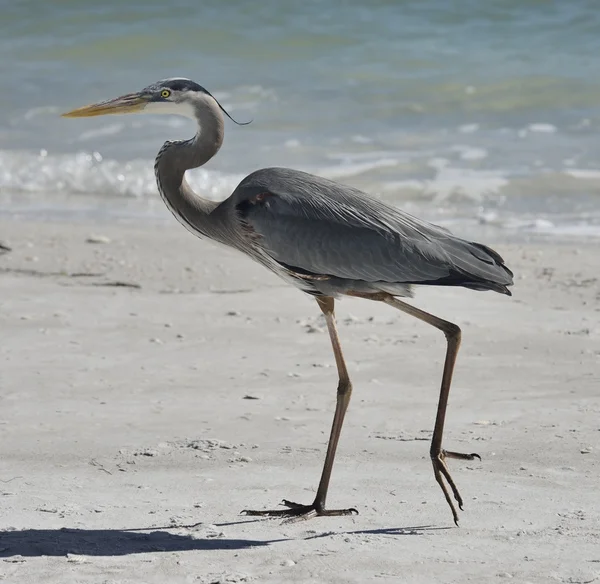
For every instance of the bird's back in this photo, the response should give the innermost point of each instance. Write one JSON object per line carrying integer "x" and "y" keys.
{"x": 338, "y": 235}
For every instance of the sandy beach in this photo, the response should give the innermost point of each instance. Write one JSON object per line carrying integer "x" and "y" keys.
{"x": 152, "y": 386}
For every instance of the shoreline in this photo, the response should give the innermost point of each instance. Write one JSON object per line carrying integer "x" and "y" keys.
{"x": 133, "y": 214}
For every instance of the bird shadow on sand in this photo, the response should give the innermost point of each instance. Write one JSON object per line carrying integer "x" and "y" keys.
{"x": 123, "y": 542}
{"x": 112, "y": 542}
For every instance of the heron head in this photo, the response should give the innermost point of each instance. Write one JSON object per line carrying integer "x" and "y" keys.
{"x": 169, "y": 96}
{"x": 176, "y": 95}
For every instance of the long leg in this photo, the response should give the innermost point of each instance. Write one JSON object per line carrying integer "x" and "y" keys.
{"x": 344, "y": 391}
{"x": 438, "y": 455}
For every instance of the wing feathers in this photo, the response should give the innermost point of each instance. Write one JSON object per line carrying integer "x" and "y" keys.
{"x": 323, "y": 228}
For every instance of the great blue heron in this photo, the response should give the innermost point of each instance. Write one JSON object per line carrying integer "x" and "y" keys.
{"x": 326, "y": 239}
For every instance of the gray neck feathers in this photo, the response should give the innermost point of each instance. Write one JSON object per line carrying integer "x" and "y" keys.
{"x": 174, "y": 158}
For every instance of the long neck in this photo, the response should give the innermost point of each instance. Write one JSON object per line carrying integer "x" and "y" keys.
{"x": 174, "y": 158}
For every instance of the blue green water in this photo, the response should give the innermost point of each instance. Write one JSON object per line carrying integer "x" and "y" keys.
{"x": 463, "y": 111}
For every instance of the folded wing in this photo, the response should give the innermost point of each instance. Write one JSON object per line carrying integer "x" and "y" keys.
{"x": 320, "y": 227}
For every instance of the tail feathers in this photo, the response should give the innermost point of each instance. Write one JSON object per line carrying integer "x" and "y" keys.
{"x": 495, "y": 275}
{"x": 477, "y": 267}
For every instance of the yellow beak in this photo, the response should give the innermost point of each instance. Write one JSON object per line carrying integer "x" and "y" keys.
{"x": 126, "y": 104}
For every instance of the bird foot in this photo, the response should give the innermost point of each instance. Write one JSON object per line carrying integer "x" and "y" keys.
{"x": 440, "y": 469}
{"x": 297, "y": 512}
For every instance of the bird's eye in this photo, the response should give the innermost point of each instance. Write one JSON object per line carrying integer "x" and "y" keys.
{"x": 165, "y": 93}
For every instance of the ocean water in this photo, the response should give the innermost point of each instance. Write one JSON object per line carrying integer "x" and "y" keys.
{"x": 467, "y": 113}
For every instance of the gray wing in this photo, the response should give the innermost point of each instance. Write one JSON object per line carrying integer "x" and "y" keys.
{"x": 318, "y": 227}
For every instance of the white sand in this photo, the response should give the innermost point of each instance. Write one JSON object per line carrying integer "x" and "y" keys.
{"x": 128, "y": 445}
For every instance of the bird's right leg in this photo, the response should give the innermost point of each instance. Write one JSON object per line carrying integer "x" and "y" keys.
{"x": 297, "y": 511}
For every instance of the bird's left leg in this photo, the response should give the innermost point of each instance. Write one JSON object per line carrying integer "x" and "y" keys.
{"x": 296, "y": 511}
{"x": 438, "y": 455}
